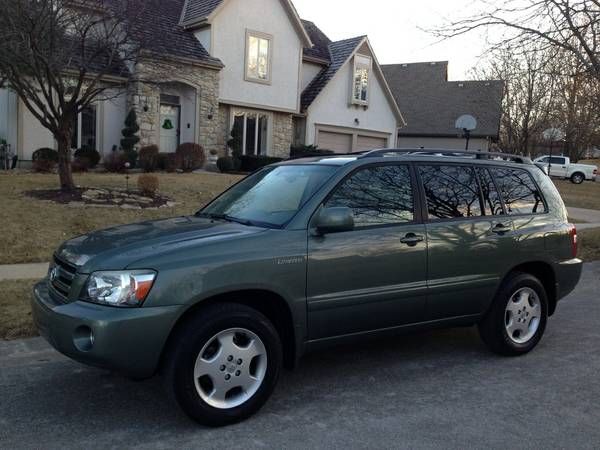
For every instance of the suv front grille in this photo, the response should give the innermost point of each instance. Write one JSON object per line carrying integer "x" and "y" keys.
{"x": 61, "y": 277}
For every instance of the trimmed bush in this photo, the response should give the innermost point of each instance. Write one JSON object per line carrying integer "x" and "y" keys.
{"x": 190, "y": 157}
{"x": 130, "y": 138}
{"x": 148, "y": 158}
{"x": 167, "y": 162}
{"x": 90, "y": 155}
{"x": 225, "y": 164}
{"x": 45, "y": 154}
{"x": 80, "y": 165}
{"x": 43, "y": 166}
{"x": 250, "y": 163}
{"x": 148, "y": 184}
{"x": 308, "y": 151}
{"x": 115, "y": 162}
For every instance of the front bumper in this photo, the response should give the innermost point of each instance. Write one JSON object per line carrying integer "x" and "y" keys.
{"x": 128, "y": 340}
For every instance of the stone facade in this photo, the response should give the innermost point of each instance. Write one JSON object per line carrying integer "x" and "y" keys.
{"x": 283, "y": 134}
{"x": 144, "y": 98}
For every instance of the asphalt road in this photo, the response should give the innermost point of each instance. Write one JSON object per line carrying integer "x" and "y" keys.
{"x": 440, "y": 389}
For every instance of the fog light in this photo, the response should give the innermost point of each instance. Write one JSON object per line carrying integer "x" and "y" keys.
{"x": 83, "y": 338}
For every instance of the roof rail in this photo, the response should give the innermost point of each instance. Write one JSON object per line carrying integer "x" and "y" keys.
{"x": 445, "y": 152}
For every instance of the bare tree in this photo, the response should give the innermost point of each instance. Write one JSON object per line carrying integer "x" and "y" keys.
{"x": 60, "y": 56}
{"x": 572, "y": 26}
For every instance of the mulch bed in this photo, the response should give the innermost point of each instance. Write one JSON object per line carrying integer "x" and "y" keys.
{"x": 97, "y": 197}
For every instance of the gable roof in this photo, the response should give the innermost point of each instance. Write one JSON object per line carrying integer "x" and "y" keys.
{"x": 158, "y": 31}
{"x": 198, "y": 12}
{"x": 431, "y": 104}
{"x": 339, "y": 53}
{"x": 320, "y": 48}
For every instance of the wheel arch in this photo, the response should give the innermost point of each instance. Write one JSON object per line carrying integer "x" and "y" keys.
{"x": 544, "y": 272}
{"x": 269, "y": 303}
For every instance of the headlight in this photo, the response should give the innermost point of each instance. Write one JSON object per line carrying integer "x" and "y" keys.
{"x": 122, "y": 288}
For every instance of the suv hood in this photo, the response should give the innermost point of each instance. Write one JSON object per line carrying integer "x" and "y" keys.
{"x": 116, "y": 248}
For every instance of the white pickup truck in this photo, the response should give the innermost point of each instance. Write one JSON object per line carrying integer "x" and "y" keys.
{"x": 560, "y": 166}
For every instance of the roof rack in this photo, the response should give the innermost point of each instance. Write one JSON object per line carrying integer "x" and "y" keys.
{"x": 445, "y": 152}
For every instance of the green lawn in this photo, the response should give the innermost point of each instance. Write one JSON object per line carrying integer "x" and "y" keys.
{"x": 586, "y": 195}
{"x": 15, "y": 312}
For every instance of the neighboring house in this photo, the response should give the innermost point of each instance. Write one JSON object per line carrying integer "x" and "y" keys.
{"x": 347, "y": 105}
{"x": 209, "y": 66}
{"x": 431, "y": 105}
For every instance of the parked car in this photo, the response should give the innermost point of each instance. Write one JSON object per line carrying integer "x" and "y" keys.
{"x": 561, "y": 166}
{"x": 308, "y": 253}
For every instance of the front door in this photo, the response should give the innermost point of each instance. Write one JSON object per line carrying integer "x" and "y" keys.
{"x": 169, "y": 127}
{"x": 373, "y": 277}
{"x": 558, "y": 166}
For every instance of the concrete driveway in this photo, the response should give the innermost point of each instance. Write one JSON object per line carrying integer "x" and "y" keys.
{"x": 437, "y": 390}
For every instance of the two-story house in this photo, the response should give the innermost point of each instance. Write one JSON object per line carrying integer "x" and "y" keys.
{"x": 208, "y": 66}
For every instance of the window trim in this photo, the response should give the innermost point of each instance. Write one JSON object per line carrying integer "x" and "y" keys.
{"x": 77, "y": 131}
{"x": 267, "y": 37}
{"x": 355, "y": 65}
{"x": 239, "y": 112}
{"x": 417, "y": 203}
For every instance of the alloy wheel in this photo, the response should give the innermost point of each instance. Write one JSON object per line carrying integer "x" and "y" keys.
{"x": 523, "y": 315}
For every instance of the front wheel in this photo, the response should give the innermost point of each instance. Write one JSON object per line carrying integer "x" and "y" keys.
{"x": 517, "y": 319}
{"x": 577, "y": 178}
{"x": 224, "y": 364}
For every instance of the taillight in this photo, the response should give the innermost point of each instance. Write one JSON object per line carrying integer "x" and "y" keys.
{"x": 573, "y": 235}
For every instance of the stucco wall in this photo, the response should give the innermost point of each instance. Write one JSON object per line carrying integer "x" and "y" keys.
{"x": 112, "y": 122}
{"x": 442, "y": 143}
{"x": 309, "y": 72}
{"x": 332, "y": 107}
{"x": 229, "y": 45}
{"x": 32, "y": 135}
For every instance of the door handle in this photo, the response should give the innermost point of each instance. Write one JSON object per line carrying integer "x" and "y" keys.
{"x": 412, "y": 239}
{"x": 501, "y": 228}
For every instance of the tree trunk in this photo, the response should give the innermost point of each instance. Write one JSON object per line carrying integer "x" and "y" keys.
{"x": 64, "y": 161}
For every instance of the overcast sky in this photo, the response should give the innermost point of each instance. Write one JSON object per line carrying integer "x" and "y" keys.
{"x": 393, "y": 27}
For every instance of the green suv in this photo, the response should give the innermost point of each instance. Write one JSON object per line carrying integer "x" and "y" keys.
{"x": 308, "y": 253}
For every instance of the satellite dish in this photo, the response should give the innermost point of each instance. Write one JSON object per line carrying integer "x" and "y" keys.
{"x": 553, "y": 134}
{"x": 466, "y": 122}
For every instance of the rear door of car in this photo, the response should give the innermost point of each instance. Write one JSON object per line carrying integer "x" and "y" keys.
{"x": 372, "y": 277}
{"x": 470, "y": 239}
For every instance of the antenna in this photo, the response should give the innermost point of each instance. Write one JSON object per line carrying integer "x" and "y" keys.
{"x": 466, "y": 123}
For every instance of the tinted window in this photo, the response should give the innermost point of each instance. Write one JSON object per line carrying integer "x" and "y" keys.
{"x": 555, "y": 160}
{"x": 451, "y": 191}
{"x": 518, "y": 190}
{"x": 491, "y": 197}
{"x": 377, "y": 196}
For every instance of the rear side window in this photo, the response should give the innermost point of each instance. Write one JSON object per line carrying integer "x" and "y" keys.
{"x": 378, "y": 196}
{"x": 519, "y": 192}
{"x": 451, "y": 191}
{"x": 491, "y": 197}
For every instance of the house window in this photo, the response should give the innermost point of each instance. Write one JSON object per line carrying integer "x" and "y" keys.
{"x": 258, "y": 57}
{"x": 85, "y": 130}
{"x": 360, "y": 81}
{"x": 250, "y": 133}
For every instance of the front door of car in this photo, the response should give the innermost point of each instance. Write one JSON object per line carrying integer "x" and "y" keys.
{"x": 558, "y": 166}
{"x": 374, "y": 276}
{"x": 471, "y": 242}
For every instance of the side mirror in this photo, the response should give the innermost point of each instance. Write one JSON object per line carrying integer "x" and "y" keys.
{"x": 334, "y": 220}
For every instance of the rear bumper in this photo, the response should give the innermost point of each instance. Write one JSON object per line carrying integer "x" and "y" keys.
{"x": 568, "y": 274}
{"x": 128, "y": 340}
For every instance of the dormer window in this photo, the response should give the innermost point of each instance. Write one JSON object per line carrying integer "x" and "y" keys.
{"x": 360, "y": 81}
{"x": 258, "y": 57}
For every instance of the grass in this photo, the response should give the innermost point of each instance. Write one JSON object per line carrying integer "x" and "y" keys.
{"x": 32, "y": 229}
{"x": 15, "y": 312}
{"x": 589, "y": 244}
{"x": 586, "y": 195}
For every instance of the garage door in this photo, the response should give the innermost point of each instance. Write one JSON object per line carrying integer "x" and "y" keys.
{"x": 337, "y": 142}
{"x": 370, "y": 142}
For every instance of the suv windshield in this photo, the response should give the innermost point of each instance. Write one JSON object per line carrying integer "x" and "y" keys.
{"x": 270, "y": 197}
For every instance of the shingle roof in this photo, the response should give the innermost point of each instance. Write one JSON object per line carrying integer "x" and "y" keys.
{"x": 319, "y": 39}
{"x": 157, "y": 29}
{"x": 431, "y": 104}
{"x": 339, "y": 52}
{"x": 198, "y": 9}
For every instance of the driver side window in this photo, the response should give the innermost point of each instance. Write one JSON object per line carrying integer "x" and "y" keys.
{"x": 377, "y": 196}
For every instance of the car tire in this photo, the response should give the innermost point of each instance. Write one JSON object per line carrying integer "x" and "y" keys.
{"x": 216, "y": 379}
{"x": 516, "y": 321}
{"x": 577, "y": 178}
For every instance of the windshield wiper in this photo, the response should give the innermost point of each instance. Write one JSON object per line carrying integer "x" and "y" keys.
{"x": 226, "y": 218}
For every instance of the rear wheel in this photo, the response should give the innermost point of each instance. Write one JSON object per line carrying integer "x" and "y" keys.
{"x": 577, "y": 178}
{"x": 224, "y": 364}
{"x": 517, "y": 319}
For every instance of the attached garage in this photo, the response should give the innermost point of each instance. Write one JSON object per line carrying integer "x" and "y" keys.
{"x": 349, "y": 141}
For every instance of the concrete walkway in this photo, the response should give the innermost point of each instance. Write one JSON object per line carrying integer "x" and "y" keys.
{"x": 591, "y": 217}
{"x": 23, "y": 271}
